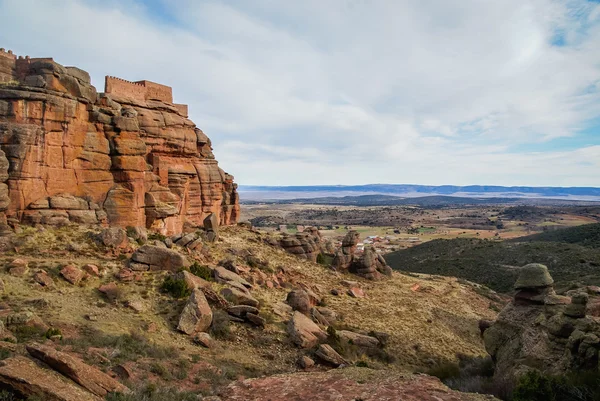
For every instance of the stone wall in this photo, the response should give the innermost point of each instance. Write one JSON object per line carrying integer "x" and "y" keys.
{"x": 7, "y": 66}
{"x": 121, "y": 159}
{"x": 156, "y": 91}
{"x": 122, "y": 87}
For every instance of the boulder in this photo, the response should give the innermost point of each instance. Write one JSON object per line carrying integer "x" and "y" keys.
{"x": 72, "y": 274}
{"x": 304, "y": 332}
{"x": 23, "y": 376}
{"x": 533, "y": 275}
{"x": 204, "y": 339}
{"x": 160, "y": 258}
{"x": 360, "y": 340}
{"x": 238, "y": 297}
{"x": 211, "y": 226}
{"x": 196, "y": 315}
{"x": 299, "y": 300}
{"x": 43, "y": 278}
{"x": 191, "y": 280}
{"x": 224, "y": 276}
{"x": 328, "y": 355}
{"x": 113, "y": 237}
{"x": 88, "y": 377}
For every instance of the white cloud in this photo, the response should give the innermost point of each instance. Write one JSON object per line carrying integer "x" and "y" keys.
{"x": 352, "y": 91}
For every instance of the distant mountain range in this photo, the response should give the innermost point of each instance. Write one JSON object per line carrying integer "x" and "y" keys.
{"x": 249, "y": 192}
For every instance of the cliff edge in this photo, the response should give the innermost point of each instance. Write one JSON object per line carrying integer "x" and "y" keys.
{"x": 125, "y": 157}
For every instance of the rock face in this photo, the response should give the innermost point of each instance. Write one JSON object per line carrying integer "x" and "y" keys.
{"x": 541, "y": 330}
{"x": 369, "y": 265}
{"x": 126, "y": 157}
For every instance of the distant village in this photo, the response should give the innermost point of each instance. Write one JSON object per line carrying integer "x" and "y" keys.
{"x": 381, "y": 243}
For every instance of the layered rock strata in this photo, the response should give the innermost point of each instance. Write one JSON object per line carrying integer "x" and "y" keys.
{"x": 125, "y": 157}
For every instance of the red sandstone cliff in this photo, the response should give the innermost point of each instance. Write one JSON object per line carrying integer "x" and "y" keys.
{"x": 127, "y": 157}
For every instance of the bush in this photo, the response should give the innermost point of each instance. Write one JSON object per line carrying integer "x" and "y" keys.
{"x": 177, "y": 288}
{"x": 320, "y": 259}
{"x": 202, "y": 271}
{"x": 51, "y": 332}
{"x": 220, "y": 325}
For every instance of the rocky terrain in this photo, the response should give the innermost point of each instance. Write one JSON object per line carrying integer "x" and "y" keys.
{"x": 124, "y": 276}
{"x": 196, "y": 315}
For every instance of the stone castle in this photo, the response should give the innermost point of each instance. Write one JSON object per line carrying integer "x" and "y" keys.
{"x": 125, "y": 157}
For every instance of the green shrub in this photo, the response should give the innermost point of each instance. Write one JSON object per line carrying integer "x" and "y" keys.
{"x": 220, "y": 325}
{"x": 156, "y": 236}
{"x": 177, "y": 288}
{"x": 533, "y": 386}
{"x": 320, "y": 259}
{"x": 202, "y": 271}
{"x": 160, "y": 370}
{"x": 51, "y": 332}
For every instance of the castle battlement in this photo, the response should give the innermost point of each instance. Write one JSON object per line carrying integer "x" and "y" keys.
{"x": 7, "y": 54}
{"x": 138, "y": 90}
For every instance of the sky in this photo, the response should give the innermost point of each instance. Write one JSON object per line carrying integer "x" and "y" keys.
{"x": 353, "y": 91}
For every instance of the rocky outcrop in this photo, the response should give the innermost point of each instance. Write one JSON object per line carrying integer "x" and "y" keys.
{"x": 197, "y": 315}
{"x": 126, "y": 157}
{"x": 369, "y": 265}
{"x": 541, "y": 330}
{"x": 304, "y": 332}
{"x": 4, "y": 198}
{"x": 307, "y": 244}
{"x": 150, "y": 257}
{"x": 347, "y": 384}
{"x": 24, "y": 377}
{"x": 86, "y": 376}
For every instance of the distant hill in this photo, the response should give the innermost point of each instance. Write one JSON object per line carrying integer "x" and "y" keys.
{"x": 583, "y": 193}
{"x": 389, "y": 200}
{"x": 423, "y": 201}
{"x": 495, "y": 264}
{"x": 587, "y": 235}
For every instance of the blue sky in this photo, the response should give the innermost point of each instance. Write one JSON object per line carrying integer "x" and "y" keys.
{"x": 354, "y": 91}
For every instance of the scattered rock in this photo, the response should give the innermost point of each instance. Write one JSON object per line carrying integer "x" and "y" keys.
{"x": 160, "y": 258}
{"x": 18, "y": 267}
{"x": 299, "y": 300}
{"x": 356, "y": 292}
{"x": 197, "y": 315}
{"x": 360, "y": 340}
{"x": 224, "y": 276}
{"x": 92, "y": 270}
{"x": 304, "y": 332}
{"x": 43, "y": 278}
{"x": 255, "y": 319}
{"x": 204, "y": 339}
{"x": 113, "y": 237}
{"x": 329, "y": 356}
{"x": 211, "y": 227}
{"x": 72, "y": 274}
{"x": 305, "y": 362}
{"x": 192, "y": 281}
{"x": 238, "y": 297}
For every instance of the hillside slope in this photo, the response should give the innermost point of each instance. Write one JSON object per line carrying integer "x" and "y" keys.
{"x": 587, "y": 235}
{"x": 495, "y": 264}
{"x": 427, "y": 318}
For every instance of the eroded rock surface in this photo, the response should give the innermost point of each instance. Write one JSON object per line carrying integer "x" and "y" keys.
{"x": 127, "y": 157}
{"x": 541, "y": 330}
{"x": 346, "y": 384}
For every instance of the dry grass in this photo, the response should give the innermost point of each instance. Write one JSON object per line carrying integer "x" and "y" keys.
{"x": 437, "y": 321}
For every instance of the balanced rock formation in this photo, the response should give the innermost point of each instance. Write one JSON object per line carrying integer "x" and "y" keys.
{"x": 541, "y": 330}
{"x": 126, "y": 157}
{"x": 306, "y": 244}
{"x": 369, "y": 265}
